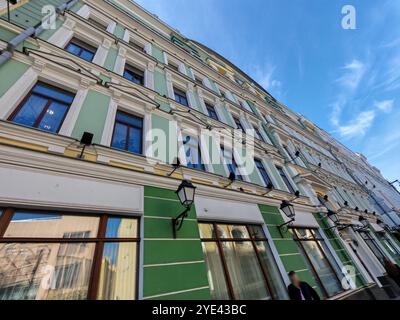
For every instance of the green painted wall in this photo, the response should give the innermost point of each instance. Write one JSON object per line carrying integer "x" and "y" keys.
{"x": 109, "y": 64}
{"x": 119, "y": 31}
{"x": 160, "y": 82}
{"x": 214, "y": 152}
{"x": 10, "y": 73}
{"x": 171, "y": 266}
{"x": 92, "y": 116}
{"x": 165, "y": 139}
{"x": 157, "y": 53}
{"x": 46, "y": 34}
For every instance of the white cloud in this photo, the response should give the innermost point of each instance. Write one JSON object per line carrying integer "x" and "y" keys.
{"x": 359, "y": 126}
{"x": 265, "y": 77}
{"x": 352, "y": 75}
{"x": 385, "y": 106}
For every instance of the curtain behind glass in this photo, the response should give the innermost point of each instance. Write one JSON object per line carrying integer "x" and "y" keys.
{"x": 245, "y": 272}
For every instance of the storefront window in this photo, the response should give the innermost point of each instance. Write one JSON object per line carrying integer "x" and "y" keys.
{"x": 240, "y": 263}
{"x": 53, "y": 256}
{"x": 320, "y": 261}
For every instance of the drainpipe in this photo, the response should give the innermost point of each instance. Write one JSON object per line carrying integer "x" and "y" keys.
{"x": 15, "y": 42}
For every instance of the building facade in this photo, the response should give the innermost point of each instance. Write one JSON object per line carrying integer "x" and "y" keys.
{"x": 105, "y": 110}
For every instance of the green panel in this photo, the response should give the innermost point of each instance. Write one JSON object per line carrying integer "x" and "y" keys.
{"x": 269, "y": 209}
{"x": 160, "y": 193}
{"x": 92, "y": 116}
{"x": 174, "y": 278}
{"x": 119, "y": 31}
{"x": 172, "y": 251}
{"x": 214, "y": 152}
{"x": 158, "y": 54}
{"x": 213, "y": 86}
{"x": 112, "y": 55}
{"x": 161, "y": 229}
{"x": 7, "y": 35}
{"x": 77, "y": 6}
{"x": 227, "y": 116}
{"x": 10, "y": 72}
{"x": 160, "y": 82}
{"x": 165, "y": 208}
{"x": 286, "y": 247}
{"x": 165, "y": 139}
{"x": 273, "y": 219}
{"x": 46, "y": 34}
{"x": 253, "y": 108}
{"x": 293, "y": 263}
{"x": 197, "y": 295}
{"x": 164, "y": 106}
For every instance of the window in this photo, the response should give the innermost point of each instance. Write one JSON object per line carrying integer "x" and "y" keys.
{"x": 240, "y": 263}
{"x": 76, "y": 256}
{"x": 193, "y": 153}
{"x": 128, "y": 133}
{"x": 239, "y": 81}
{"x": 44, "y": 108}
{"x": 136, "y": 45}
{"x": 285, "y": 179}
{"x": 81, "y": 49}
{"x": 263, "y": 172}
{"x": 258, "y": 134}
{"x": 133, "y": 74}
{"x": 181, "y": 97}
{"x": 387, "y": 242}
{"x": 173, "y": 66}
{"x": 238, "y": 124}
{"x": 230, "y": 162}
{"x": 98, "y": 24}
{"x": 198, "y": 80}
{"x": 374, "y": 247}
{"x": 319, "y": 260}
{"x": 211, "y": 112}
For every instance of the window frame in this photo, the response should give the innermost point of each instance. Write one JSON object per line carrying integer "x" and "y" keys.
{"x": 83, "y": 46}
{"x": 182, "y": 95}
{"x": 129, "y": 125}
{"x": 256, "y": 161}
{"x": 218, "y": 240}
{"x": 317, "y": 241}
{"x": 45, "y": 108}
{"x": 136, "y": 72}
{"x": 99, "y": 240}
{"x": 213, "y": 111}
{"x": 285, "y": 179}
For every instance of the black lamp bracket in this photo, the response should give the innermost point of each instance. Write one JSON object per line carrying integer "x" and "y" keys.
{"x": 283, "y": 228}
{"x": 177, "y": 222}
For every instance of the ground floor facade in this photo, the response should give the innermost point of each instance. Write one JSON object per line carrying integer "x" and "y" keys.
{"x": 72, "y": 229}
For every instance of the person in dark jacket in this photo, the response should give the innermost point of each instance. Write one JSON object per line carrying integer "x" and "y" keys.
{"x": 299, "y": 290}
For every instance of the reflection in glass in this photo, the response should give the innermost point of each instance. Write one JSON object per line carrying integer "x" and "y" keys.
{"x": 206, "y": 231}
{"x": 215, "y": 272}
{"x": 118, "y": 272}
{"x": 34, "y": 225}
{"x": 45, "y": 271}
{"x": 121, "y": 228}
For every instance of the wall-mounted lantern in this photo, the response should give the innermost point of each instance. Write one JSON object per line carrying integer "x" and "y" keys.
{"x": 186, "y": 192}
{"x": 288, "y": 210}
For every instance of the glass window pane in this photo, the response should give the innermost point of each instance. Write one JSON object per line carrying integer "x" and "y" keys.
{"x": 257, "y": 232}
{"x": 49, "y": 271}
{"x": 135, "y": 140}
{"x": 118, "y": 272}
{"x": 33, "y": 225}
{"x": 275, "y": 279}
{"x": 73, "y": 48}
{"x": 54, "y": 117}
{"x": 30, "y": 111}
{"x": 122, "y": 228}
{"x": 206, "y": 231}
{"x": 215, "y": 272}
{"x": 233, "y": 232}
{"x": 245, "y": 272}
{"x": 322, "y": 268}
{"x": 120, "y": 136}
{"x": 129, "y": 119}
{"x": 54, "y": 93}
{"x": 87, "y": 55}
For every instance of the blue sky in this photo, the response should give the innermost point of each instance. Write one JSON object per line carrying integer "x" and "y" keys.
{"x": 346, "y": 81}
